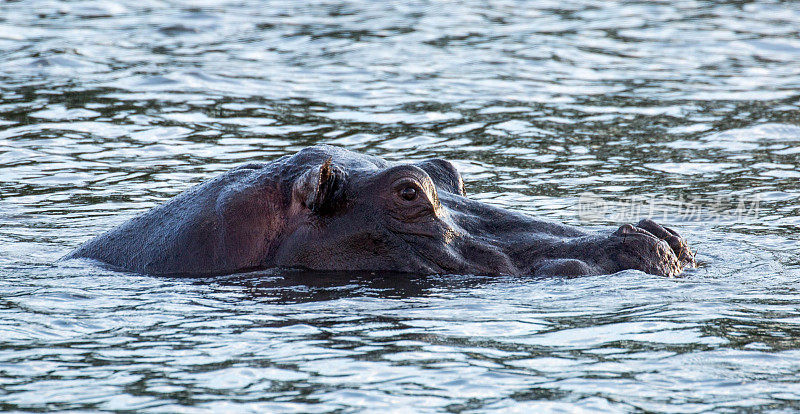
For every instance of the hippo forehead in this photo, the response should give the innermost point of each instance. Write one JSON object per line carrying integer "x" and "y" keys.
{"x": 313, "y": 157}
{"x": 345, "y": 159}
{"x": 359, "y": 167}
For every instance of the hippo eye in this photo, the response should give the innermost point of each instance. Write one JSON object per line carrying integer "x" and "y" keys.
{"x": 408, "y": 193}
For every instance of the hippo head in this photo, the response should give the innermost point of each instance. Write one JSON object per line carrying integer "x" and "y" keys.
{"x": 407, "y": 218}
{"x": 354, "y": 212}
{"x": 326, "y": 208}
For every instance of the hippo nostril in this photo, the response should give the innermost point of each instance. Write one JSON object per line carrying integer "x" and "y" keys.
{"x": 626, "y": 229}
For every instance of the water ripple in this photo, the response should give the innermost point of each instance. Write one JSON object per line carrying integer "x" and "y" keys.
{"x": 107, "y": 109}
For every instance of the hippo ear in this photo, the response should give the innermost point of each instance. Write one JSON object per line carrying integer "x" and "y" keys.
{"x": 321, "y": 190}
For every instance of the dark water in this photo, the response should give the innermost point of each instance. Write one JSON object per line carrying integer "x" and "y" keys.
{"x": 687, "y": 111}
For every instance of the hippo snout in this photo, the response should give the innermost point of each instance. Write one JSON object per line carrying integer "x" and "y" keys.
{"x": 648, "y": 247}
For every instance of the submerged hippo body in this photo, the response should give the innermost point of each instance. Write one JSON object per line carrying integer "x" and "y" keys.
{"x": 327, "y": 208}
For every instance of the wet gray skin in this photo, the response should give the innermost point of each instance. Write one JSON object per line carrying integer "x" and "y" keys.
{"x": 327, "y": 208}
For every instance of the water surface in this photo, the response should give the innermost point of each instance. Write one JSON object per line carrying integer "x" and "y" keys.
{"x": 686, "y": 111}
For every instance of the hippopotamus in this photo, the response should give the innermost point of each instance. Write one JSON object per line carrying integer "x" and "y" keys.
{"x": 328, "y": 208}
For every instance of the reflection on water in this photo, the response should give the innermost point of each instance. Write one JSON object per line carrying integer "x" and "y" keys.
{"x": 107, "y": 109}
